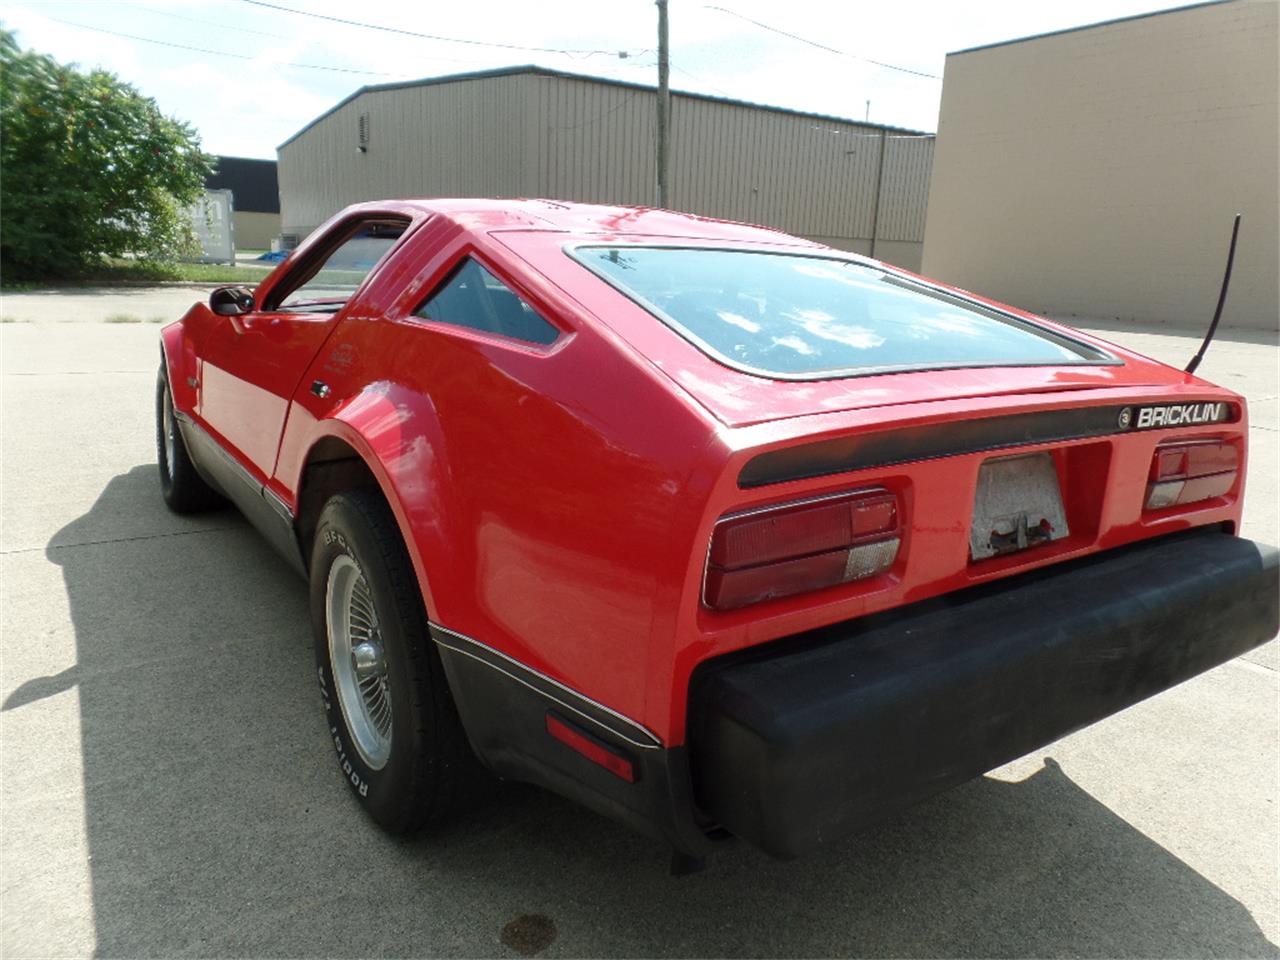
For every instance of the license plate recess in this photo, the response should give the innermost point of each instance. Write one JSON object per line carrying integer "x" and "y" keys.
{"x": 1018, "y": 505}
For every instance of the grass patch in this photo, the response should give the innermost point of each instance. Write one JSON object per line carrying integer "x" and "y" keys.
{"x": 153, "y": 271}
{"x": 150, "y": 270}
{"x": 133, "y": 318}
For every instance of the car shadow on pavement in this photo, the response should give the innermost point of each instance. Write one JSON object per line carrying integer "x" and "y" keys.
{"x": 218, "y": 825}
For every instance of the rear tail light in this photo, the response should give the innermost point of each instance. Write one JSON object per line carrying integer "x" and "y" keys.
{"x": 795, "y": 548}
{"x": 1189, "y": 472}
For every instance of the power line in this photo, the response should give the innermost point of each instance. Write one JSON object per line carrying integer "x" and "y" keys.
{"x": 431, "y": 36}
{"x": 206, "y": 23}
{"x": 221, "y": 53}
{"x": 604, "y": 113}
{"x": 823, "y": 46}
{"x": 693, "y": 76}
{"x": 434, "y": 58}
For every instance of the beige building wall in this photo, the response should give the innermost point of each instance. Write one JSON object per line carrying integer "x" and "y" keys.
{"x": 548, "y": 135}
{"x": 255, "y": 231}
{"x": 1095, "y": 172}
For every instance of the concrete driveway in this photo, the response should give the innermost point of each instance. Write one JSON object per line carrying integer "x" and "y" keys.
{"x": 167, "y": 790}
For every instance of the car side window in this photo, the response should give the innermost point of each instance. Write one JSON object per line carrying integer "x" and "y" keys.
{"x": 473, "y": 297}
{"x": 330, "y": 280}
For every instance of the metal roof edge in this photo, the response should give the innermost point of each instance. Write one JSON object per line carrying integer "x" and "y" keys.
{"x": 533, "y": 69}
{"x": 1091, "y": 26}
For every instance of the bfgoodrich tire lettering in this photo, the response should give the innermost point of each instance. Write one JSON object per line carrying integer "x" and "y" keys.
{"x": 422, "y": 774}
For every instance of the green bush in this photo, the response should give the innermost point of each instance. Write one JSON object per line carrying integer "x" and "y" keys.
{"x": 89, "y": 169}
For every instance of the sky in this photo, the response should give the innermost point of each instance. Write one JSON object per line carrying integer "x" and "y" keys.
{"x": 248, "y": 74}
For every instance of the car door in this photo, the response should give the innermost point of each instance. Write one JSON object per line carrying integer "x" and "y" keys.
{"x": 250, "y": 365}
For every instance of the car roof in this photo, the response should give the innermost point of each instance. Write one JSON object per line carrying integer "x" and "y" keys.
{"x": 588, "y": 219}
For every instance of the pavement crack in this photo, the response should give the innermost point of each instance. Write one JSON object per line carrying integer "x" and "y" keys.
{"x": 69, "y": 373}
{"x": 1257, "y": 667}
{"x": 94, "y": 543}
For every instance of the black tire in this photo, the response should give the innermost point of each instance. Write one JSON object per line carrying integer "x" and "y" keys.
{"x": 430, "y": 769}
{"x": 184, "y": 490}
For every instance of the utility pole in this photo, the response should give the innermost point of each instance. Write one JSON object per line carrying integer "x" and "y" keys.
{"x": 875, "y": 210}
{"x": 664, "y": 103}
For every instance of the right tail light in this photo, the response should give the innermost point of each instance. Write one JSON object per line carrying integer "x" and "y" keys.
{"x": 799, "y": 547}
{"x": 1190, "y": 472}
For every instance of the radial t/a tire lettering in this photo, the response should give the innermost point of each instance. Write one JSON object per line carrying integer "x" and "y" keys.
{"x": 391, "y": 721}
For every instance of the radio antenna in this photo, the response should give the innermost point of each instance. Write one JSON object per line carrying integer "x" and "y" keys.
{"x": 1222, "y": 299}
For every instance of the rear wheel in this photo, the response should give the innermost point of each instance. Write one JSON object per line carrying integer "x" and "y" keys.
{"x": 393, "y": 724}
{"x": 184, "y": 490}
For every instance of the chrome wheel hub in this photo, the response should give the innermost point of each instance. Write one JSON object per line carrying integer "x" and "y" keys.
{"x": 366, "y": 660}
{"x": 359, "y": 661}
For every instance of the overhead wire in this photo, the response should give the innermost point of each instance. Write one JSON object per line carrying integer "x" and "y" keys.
{"x": 621, "y": 54}
{"x": 376, "y": 73}
{"x": 206, "y": 23}
{"x": 822, "y": 46}
{"x": 693, "y": 76}
{"x": 224, "y": 53}
{"x": 431, "y": 58}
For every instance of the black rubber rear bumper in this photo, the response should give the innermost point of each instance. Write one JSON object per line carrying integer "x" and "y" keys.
{"x": 820, "y": 735}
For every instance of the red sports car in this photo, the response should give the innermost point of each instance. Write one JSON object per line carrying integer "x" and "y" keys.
{"x": 715, "y": 530}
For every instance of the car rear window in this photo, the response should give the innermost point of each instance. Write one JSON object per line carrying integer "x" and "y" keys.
{"x": 809, "y": 317}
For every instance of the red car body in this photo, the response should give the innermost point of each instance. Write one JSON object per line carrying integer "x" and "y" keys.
{"x": 557, "y": 500}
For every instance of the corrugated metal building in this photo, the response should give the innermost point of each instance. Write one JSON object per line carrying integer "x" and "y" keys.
{"x": 533, "y": 132}
{"x": 1094, "y": 172}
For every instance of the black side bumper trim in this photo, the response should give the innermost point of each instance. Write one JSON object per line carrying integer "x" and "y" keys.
{"x": 504, "y": 705}
{"x": 825, "y": 733}
{"x": 597, "y": 715}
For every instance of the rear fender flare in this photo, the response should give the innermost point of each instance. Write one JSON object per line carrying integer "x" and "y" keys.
{"x": 394, "y": 431}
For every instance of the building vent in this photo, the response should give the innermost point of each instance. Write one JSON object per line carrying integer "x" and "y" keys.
{"x": 363, "y": 133}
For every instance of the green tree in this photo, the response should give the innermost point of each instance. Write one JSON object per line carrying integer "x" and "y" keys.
{"x": 89, "y": 169}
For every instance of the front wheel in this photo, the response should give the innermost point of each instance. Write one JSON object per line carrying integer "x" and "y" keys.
{"x": 184, "y": 490}
{"x": 392, "y": 721}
